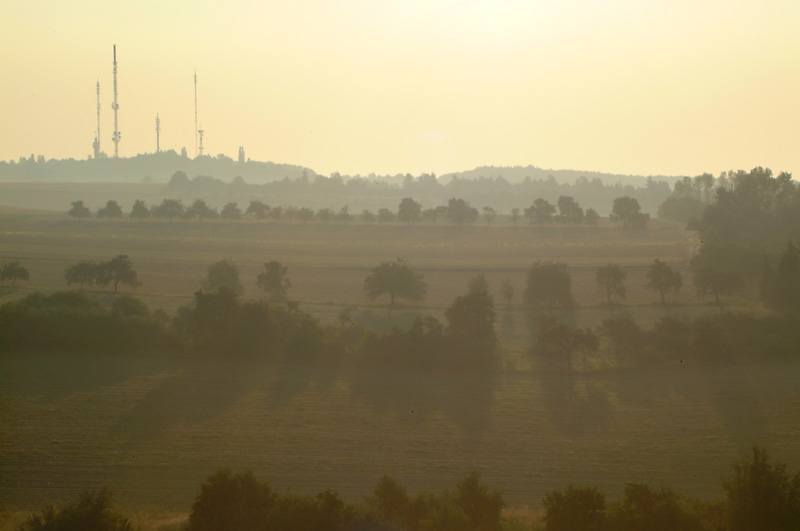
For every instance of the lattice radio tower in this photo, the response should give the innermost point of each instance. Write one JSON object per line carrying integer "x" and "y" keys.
{"x": 96, "y": 143}
{"x": 196, "y": 130}
{"x": 115, "y": 106}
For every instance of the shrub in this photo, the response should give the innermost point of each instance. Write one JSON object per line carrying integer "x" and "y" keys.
{"x": 93, "y": 511}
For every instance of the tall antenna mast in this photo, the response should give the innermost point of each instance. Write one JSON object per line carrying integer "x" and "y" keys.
{"x": 158, "y": 133}
{"x": 201, "y": 141}
{"x": 196, "y": 130}
{"x": 96, "y": 143}
{"x": 115, "y": 106}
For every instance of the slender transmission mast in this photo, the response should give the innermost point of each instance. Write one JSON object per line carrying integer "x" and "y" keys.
{"x": 158, "y": 133}
{"x": 115, "y": 106}
{"x": 96, "y": 143}
{"x": 196, "y": 130}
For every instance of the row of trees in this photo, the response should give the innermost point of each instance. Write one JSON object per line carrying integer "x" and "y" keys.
{"x": 273, "y": 280}
{"x": 759, "y": 495}
{"x": 549, "y": 284}
{"x": 709, "y": 339}
{"x": 567, "y": 211}
{"x": 744, "y": 220}
{"x": 118, "y": 270}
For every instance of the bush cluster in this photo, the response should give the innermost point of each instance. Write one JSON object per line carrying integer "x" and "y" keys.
{"x": 759, "y": 494}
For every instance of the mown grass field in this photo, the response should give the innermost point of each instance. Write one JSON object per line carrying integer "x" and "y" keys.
{"x": 153, "y": 429}
{"x": 327, "y": 263}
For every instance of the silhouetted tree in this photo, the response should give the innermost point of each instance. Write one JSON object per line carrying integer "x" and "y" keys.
{"x": 574, "y": 508}
{"x": 681, "y": 209}
{"x": 540, "y": 212}
{"x": 385, "y": 216}
{"x": 273, "y": 280}
{"x": 569, "y": 211}
{"x": 391, "y": 504}
{"x": 663, "y": 279}
{"x": 489, "y": 214}
{"x": 79, "y": 210}
{"x": 645, "y": 507}
{"x": 81, "y": 273}
{"x": 715, "y": 279}
{"x": 169, "y": 208}
{"x": 550, "y": 283}
{"x": 178, "y": 180}
{"x": 460, "y": 212}
{"x": 409, "y": 210}
{"x": 471, "y": 317}
{"x": 555, "y": 338}
{"x": 304, "y": 214}
{"x": 257, "y": 208}
{"x": 758, "y": 208}
{"x": 434, "y": 214}
{"x": 591, "y": 217}
{"x": 223, "y": 274}
{"x": 612, "y": 279}
{"x": 14, "y": 271}
{"x": 344, "y": 215}
{"x": 396, "y": 279}
{"x": 368, "y": 217}
{"x": 140, "y": 210}
{"x": 231, "y": 211}
{"x": 781, "y": 288}
{"x": 118, "y": 270}
{"x": 482, "y": 507}
{"x": 232, "y": 501}
{"x": 92, "y": 511}
{"x": 111, "y": 210}
{"x": 515, "y": 216}
{"x": 129, "y": 306}
{"x": 627, "y": 211}
{"x": 507, "y": 291}
{"x": 762, "y": 495}
{"x": 325, "y": 215}
{"x": 200, "y": 210}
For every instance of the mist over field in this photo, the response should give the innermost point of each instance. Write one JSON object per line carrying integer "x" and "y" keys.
{"x": 422, "y": 265}
{"x": 151, "y": 339}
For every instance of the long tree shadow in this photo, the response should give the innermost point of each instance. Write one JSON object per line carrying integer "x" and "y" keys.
{"x": 52, "y": 377}
{"x": 199, "y": 390}
{"x": 736, "y": 403}
{"x": 576, "y": 406}
{"x": 462, "y": 396}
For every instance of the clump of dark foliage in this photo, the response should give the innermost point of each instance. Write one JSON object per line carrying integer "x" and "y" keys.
{"x": 93, "y": 511}
{"x": 759, "y": 494}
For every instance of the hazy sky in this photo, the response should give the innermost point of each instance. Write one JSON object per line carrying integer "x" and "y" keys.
{"x": 630, "y": 86}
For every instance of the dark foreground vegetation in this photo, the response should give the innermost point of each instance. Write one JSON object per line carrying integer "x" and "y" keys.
{"x": 759, "y": 495}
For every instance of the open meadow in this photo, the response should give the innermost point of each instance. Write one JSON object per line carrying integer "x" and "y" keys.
{"x": 153, "y": 428}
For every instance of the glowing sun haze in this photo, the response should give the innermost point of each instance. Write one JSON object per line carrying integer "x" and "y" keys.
{"x": 357, "y": 86}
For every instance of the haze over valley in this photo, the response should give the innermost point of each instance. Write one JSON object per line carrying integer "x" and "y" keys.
{"x": 414, "y": 266}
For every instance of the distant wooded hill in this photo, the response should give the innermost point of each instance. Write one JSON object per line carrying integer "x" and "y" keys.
{"x": 159, "y": 167}
{"x": 156, "y": 167}
{"x": 518, "y": 174}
